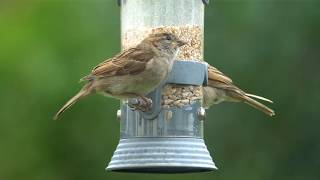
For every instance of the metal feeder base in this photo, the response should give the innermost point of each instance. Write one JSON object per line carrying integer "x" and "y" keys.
{"x": 161, "y": 155}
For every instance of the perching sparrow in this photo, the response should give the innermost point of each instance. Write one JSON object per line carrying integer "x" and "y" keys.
{"x": 221, "y": 88}
{"x": 132, "y": 73}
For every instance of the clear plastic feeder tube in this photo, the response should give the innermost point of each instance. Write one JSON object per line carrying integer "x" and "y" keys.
{"x": 172, "y": 141}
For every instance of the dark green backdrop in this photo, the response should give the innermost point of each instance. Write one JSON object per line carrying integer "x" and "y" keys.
{"x": 268, "y": 47}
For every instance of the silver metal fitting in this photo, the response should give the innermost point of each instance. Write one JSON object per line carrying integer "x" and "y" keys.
{"x": 119, "y": 114}
{"x": 201, "y": 114}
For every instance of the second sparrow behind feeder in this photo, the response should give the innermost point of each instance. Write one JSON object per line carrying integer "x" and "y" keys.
{"x": 221, "y": 88}
{"x": 132, "y": 73}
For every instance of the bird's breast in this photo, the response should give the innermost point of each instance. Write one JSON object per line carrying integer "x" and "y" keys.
{"x": 159, "y": 67}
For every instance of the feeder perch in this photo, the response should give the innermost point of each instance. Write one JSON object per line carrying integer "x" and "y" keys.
{"x": 169, "y": 137}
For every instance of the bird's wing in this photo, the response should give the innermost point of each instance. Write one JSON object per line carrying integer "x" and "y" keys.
{"x": 219, "y": 80}
{"x": 217, "y": 76}
{"x": 130, "y": 62}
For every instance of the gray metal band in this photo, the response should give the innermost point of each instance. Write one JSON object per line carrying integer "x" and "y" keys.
{"x": 189, "y": 73}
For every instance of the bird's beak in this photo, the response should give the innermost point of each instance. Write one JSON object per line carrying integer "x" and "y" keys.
{"x": 181, "y": 43}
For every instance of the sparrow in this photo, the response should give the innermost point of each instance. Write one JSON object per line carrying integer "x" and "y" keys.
{"x": 133, "y": 73}
{"x": 221, "y": 88}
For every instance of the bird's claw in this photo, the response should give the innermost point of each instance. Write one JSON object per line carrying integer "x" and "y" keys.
{"x": 141, "y": 103}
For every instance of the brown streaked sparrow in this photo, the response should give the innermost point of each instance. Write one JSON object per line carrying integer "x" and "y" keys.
{"x": 221, "y": 88}
{"x": 134, "y": 72}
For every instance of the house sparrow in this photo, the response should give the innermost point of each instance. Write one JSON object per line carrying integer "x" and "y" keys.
{"x": 221, "y": 88}
{"x": 132, "y": 73}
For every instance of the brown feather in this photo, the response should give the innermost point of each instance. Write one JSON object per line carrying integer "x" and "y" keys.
{"x": 258, "y": 105}
{"x": 87, "y": 89}
{"x": 216, "y": 75}
{"x": 130, "y": 62}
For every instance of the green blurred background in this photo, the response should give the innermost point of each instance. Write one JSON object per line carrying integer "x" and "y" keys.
{"x": 268, "y": 47}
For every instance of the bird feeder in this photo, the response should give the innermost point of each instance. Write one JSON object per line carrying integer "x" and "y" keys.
{"x": 169, "y": 137}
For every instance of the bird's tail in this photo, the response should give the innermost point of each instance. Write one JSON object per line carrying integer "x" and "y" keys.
{"x": 87, "y": 89}
{"x": 246, "y": 99}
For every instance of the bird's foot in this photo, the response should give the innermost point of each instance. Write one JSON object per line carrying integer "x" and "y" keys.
{"x": 141, "y": 103}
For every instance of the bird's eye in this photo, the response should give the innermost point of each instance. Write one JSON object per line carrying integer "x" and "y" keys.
{"x": 168, "y": 37}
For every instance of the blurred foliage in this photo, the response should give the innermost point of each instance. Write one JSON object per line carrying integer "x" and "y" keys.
{"x": 268, "y": 47}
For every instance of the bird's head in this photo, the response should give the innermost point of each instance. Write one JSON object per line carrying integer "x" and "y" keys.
{"x": 164, "y": 42}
